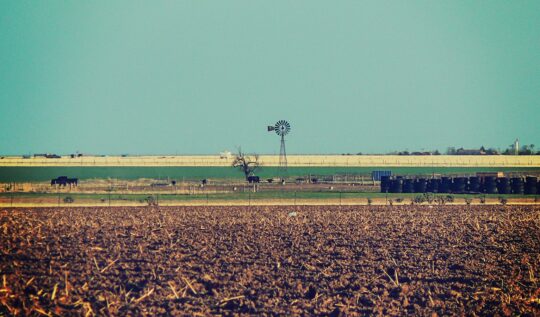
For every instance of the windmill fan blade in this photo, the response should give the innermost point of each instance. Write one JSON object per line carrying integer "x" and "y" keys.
{"x": 281, "y": 127}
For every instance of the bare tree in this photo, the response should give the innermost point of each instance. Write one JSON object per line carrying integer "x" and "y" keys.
{"x": 247, "y": 163}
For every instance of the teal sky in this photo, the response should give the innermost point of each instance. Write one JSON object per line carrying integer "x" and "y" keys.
{"x": 198, "y": 77}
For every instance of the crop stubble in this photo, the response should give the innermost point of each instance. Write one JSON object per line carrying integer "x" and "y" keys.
{"x": 354, "y": 260}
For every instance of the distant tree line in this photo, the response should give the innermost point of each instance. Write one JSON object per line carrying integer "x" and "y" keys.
{"x": 528, "y": 149}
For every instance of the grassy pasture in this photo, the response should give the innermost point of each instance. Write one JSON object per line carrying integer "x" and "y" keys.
{"x": 40, "y": 174}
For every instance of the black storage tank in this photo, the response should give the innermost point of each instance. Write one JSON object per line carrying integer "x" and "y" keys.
{"x": 474, "y": 184}
{"x": 420, "y": 185}
{"x": 385, "y": 184}
{"x": 517, "y": 186}
{"x": 459, "y": 185}
{"x": 433, "y": 185}
{"x": 530, "y": 185}
{"x": 490, "y": 185}
{"x": 408, "y": 186}
{"x": 444, "y": 186}
{"x": 503, "y": 185}
{"x": 396, "y": 185}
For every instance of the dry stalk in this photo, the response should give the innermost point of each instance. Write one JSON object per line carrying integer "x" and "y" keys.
{"x": 396, "y": 283}
{"x": 29, "y": 281}
{"x": 184, "y": 291}
{"x": 171, "y": 285}
{"x": 66, "y": 282}
{"x": 531, "y": 273}
{"x": 109, "y": 266}
{"x": 88, "y": 308}
{"x": 54, "y": 291}
{"x": 189, "y": 285}
{"x": 97, "y": 266}
{"x": 231, "y": 298}
{"x": 431, "y": 299}
{"x": 144, "y": 296}
{"x": 41, "y": 311}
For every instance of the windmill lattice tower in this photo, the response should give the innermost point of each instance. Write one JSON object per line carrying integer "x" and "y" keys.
{"x": 281, "y": 128}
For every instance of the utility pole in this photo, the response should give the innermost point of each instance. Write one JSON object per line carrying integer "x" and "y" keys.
{"x": 110, "y": 190}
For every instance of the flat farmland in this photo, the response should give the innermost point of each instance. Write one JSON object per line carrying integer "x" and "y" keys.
{"x": 271, "y": 260}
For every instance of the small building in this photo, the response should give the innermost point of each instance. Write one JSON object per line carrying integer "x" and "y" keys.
{"x": 225, "y": 155}
{"x": 470, "y": 152}
{"x": 376, "y": 175}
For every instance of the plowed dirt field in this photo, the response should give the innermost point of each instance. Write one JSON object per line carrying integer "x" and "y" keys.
{"x": 276, "y": 260}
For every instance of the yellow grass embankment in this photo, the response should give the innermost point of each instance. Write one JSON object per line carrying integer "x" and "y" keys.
{"x": 529, "y": 161}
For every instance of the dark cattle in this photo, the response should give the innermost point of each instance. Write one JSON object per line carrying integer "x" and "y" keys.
{"x": 253, "y": 179}
{"x": 204, "y": 181}
{"x": 64, "y": 180}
